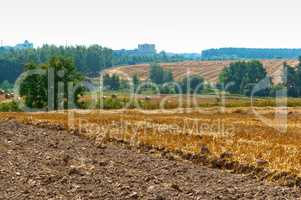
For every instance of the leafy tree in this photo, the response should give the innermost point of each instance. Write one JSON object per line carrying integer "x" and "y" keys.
{"x": 290, "y": 80}
{"x": 34, "y": 88}
{"x": 136, "y": 81}
{"x": 124, "y": 84}
{"x": 298, "y": 74}
{"x": 37, "y": 88}
{"x": 168, "y": 76}
{"x": 192, "y": 84}
{"x": 115, "y": 82}
{"x": 240, "y": 77}
{"x": 112, "y": 82}
{"x": 107, "y": 80}
{"x": 158, "y": 75}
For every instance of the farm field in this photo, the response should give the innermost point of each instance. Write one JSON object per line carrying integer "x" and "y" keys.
{"x": 122, "y": 99}
{"x": 50, "y": 163}
{"x": 150, "y": 100}
{"x": 210, "y": 70}
{"x": 234, "y": 139}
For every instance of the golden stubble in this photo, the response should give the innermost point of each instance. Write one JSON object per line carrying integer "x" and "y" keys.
{"x": 236, "y": 130}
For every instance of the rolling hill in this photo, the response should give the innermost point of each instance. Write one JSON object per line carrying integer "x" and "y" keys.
{"x": 208, "y": 69}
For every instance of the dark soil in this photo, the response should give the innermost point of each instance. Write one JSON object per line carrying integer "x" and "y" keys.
{"x": 40, "y": 163}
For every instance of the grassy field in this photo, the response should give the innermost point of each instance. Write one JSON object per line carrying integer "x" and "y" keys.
{"x": 235, "y": 131}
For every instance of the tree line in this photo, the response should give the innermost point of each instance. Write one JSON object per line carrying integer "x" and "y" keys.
{"x": 248, "y": 78}
{"x": 87, "y": 60}
{"x": 249, "y": 53}
{"x": 159, "y": 80}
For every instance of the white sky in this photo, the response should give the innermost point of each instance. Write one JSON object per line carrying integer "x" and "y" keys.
{"x": 173, "y": 25}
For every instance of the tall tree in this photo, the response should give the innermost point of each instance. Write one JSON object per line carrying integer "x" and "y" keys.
{"x": 136, "y": 81}
{"x": 51, "y": 88}
{"x": 240, "y": 77}
{"x": 158, "y": 75}
{"x": 112, "y": 82}
{"x": 192, "y": 84}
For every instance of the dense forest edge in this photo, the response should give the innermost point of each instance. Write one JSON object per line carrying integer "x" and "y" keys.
{"x": 249, "y": 53}
{"x": 88, "y": 60}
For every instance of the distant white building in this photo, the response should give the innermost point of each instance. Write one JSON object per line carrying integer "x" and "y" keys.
{"x": 146, "y": 49}
{"x": 142, "y": 50}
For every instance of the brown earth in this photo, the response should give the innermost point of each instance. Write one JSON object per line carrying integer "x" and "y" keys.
{"x": 43, "y": 163}
{"x": 210, "y": 70}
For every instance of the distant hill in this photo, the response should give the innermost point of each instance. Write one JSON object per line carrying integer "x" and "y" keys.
{"x": 210, "y": 70}
{"x": 249, "y": 53}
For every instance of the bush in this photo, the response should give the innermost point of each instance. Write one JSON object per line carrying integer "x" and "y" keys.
{"x": 9, "y": 107}
{"x": 112, "y": 103}
{"x": 168, "y": 89}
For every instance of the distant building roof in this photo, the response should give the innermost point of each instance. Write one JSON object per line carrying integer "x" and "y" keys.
{"x": 142, "y": 50}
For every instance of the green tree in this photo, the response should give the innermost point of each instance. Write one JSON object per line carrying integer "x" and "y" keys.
{"x": 34, "y": 88}
{"x": 51, "y": 88}
{"x": 158, "y": 75}
{"x": 192, "y": 84}
{"x": 106, "y": 81}
{"x": 168, "y": 76}
{"x": 136, "y": 81}
{"x": 298, "y": 77}
{"x": 240, "y": 77}
{"x": 112, "y": 82}
{"x": 115, "y": 82}
{"x": 290, "y": 80}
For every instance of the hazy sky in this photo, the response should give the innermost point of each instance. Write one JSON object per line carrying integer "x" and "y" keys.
{"x": 173, "y": 25}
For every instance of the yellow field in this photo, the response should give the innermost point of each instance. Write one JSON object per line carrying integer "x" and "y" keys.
{"x": 236, "y": 131}
{"x": 208, "y": 69}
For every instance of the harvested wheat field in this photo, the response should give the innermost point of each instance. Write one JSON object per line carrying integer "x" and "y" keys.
{"x": 50, "y": 163}
{"x": 233, "y": 139}
{"x": 210, "y": 70}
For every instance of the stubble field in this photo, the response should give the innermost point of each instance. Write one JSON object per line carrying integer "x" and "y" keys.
{"x": 235, "y": 139}
{"x": 210, "y": 70}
